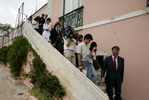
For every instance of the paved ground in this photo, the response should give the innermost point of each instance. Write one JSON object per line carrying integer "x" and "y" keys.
{"x": 9, "y": 91}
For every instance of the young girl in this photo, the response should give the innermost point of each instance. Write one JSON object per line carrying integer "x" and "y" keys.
{"x": 93, "y": 53}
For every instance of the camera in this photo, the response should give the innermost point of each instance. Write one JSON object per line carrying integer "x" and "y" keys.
{"x": 72, "y": 34}
{"x": 69, "y": 33}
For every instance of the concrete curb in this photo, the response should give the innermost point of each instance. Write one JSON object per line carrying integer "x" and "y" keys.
{"x": 13, "y": 81}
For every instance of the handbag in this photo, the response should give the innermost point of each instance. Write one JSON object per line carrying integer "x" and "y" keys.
{"x": 96, "y": 64}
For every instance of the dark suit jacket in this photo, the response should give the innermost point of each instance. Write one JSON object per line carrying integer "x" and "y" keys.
{"x": 113, "y": 75}
{"x": 41, "y": 21}
{"x": 59, "y": 43}
{"x": 53, "y": 36}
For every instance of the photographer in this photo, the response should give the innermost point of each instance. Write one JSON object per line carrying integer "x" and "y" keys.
{"x": 65, "y": 31}
{"x": 69, "y": 47}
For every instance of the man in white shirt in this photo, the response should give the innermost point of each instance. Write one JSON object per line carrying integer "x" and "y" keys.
{"x": 69, "y": 47}
{"x": 83, "y": 53}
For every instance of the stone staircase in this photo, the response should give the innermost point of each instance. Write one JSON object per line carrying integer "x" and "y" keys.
{"x": 99, "y": 82}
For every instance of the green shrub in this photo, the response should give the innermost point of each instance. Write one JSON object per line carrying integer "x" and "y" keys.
{"x": 44, "y": 80}
{"x": 39, "y": 94}
{"x": 17, "y": 55}
{"x": 3, "y": 54}
{"x": 45, "y": 84}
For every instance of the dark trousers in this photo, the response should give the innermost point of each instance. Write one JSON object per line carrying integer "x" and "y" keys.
{"x": 117, "y": 87}
{"x": 77, "y": 63}
{"x": 62, "y": 52}
{"x": 40, "y": 29}
{"x": 37, "y": 29}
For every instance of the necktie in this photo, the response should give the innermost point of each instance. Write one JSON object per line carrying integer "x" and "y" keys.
{"x": 57, "y": 31}
{"x": 114, "y": 62}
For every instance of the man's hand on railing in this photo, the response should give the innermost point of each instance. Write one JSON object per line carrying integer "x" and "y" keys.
{"x": 54, "y": 45}
{"x": 49, "y": 41}
{"x": 81, "y": 68}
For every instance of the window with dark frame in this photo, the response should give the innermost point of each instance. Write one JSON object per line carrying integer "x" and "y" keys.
{"x": 71, "y": 17}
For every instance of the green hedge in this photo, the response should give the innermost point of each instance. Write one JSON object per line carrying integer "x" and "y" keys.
{"x": 17, "y": 55}
{"x": 3, "y": 54}
{"x": 42, "y": 80}
{"x": 39, "y": 94}
{"x": 46, "y": 85}
{"x": 45, "y": 81}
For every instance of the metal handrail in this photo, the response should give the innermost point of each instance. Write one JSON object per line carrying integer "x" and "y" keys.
{"x": 73, "y": 18}
{"x": 72, "y": 11}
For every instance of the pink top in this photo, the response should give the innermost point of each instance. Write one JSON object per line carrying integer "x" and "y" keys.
{"x": 94, "y": 57}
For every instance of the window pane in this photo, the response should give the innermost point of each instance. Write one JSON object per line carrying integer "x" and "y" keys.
{"x": 71, "y": 5}
{"x": 75, "y": 4}
{"x": 67, "y": 6}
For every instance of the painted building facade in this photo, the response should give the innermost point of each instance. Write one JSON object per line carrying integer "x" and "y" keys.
{"x": 124, "y": 23}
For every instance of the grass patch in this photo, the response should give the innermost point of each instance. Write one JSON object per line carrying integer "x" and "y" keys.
{"x": 39, "y": 94}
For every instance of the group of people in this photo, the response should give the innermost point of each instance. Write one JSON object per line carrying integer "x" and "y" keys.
{"x": 40, "y": 23}
{"x": 69, "y": 43}
{"x": 77, "y": 50}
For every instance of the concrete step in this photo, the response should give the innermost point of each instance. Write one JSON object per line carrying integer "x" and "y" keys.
{"x": 98, "y": 72}
{"x": 102, "y": 88}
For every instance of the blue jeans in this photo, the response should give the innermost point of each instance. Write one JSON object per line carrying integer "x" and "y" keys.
{"x": 91, "y": 73}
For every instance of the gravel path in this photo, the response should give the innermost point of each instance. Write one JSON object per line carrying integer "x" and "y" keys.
{"x": 9, "y": 91}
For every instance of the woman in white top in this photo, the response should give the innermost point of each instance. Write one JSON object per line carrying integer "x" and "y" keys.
{"x": 47, "y": 28}
{"x": 92, "y": 75}
{"x": 35, "y": 24}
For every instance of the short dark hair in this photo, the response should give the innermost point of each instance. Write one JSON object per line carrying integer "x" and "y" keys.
{"x": 49, "y": 19}
{"x": 116, "y": 48}
{"x": 88, "y": 36}
{"x": 42, "y": 15}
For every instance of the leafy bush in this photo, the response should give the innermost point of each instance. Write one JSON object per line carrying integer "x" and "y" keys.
{"x": 17, "y": 55}
{"x": 3, "y": 54}
{"x": 45, "y": 84}
{"x": 44, "y": 80}
{"x": 39, "y": 94}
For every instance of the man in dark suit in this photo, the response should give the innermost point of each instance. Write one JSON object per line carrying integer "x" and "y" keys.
{"x": 41, "y": 22}
{"x": 114, "y": 66}
{"x": 54, "y": 33}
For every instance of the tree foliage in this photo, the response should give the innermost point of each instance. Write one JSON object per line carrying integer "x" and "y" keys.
{"x": 5, "y": 28}
{"x": 3, "y": 54}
